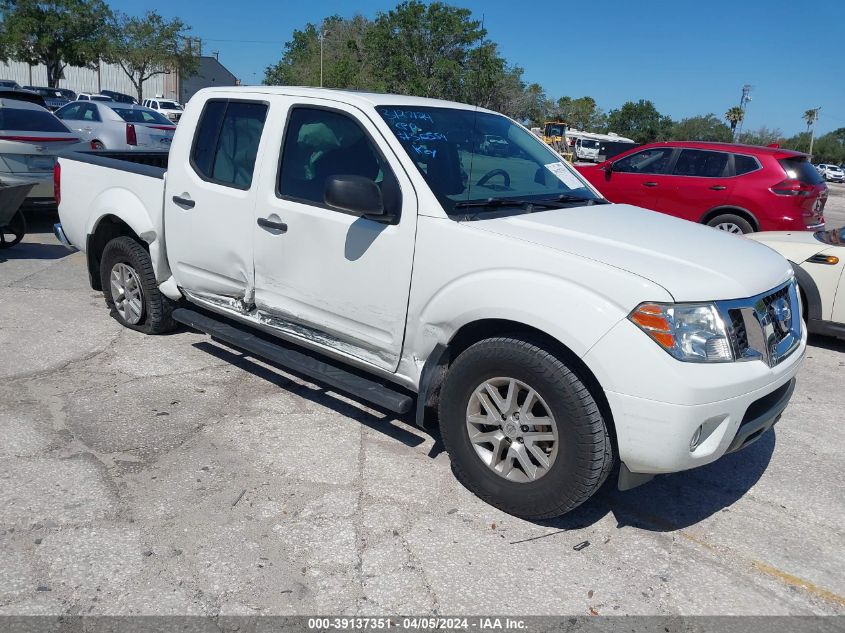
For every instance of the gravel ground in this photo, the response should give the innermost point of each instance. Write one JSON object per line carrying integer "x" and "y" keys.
{"x": 170, "y": 475}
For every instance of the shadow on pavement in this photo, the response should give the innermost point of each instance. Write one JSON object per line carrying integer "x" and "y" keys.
{"x": 676, "y": 501}
{"x": 826, "y": 342}
{"x": 322, "y": 396}
{"x": 33, "y": 250}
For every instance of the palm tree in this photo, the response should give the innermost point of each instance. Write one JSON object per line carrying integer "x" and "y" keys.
{"x": 734, "y": 116}
{"x": 810, "y": 117}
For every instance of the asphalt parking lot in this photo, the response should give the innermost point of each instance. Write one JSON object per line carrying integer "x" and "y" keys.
{"x": 171, "y": 475}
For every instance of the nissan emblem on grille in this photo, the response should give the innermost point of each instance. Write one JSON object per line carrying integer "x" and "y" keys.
{"x": 781, "y": 315}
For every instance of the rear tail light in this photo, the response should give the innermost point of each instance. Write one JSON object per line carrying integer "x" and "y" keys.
{"x": 131, "y": 137}
{"x": 792, "y": 187}
{"x": 57, "y": 182}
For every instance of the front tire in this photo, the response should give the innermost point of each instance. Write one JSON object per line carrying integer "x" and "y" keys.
{"x": 130, "y": 288}
{"x": 523, "y": 431}
{"x": 731, "y": 223}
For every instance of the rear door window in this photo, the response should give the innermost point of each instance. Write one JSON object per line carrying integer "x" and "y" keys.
{"x": 800, "y": 169}
{"x": 701, "y": 163}
{"x": 30, "y": 121}
{"x": 649, "y": 161}
{"x": 70, "y": 112}
{"x": 226, "y": 142}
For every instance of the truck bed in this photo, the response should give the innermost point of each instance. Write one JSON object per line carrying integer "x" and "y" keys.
{"x": 144, "y": 163}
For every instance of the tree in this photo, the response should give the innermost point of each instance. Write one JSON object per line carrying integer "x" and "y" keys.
{"x": 734, "y": 116}
{"x": 582, "y": 113}
{"x": 706, "y": 127}
{"x": 761, "y": 136}
{"x": 810, "y": 117}
{"x": 423, "y": 50}
{"x": 54, "y": 33}
{"x": 640, "y": 121}
{"x": 148, "y": 46}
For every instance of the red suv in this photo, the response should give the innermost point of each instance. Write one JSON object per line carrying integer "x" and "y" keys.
{"x": 736, "y": 188}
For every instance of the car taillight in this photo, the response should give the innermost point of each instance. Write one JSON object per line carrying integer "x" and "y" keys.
{"x": 792, "y": 187}
{"x": 131, "y": 137}
{"x": 57, "y": 182}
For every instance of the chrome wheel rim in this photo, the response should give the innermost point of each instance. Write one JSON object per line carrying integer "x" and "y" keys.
{"x": 127, "y": 293}
{"x": 730, "y": 227}
{"x": 512, "y": 429}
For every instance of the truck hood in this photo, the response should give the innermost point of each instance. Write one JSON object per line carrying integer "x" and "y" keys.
{"x": 692, "y": 262}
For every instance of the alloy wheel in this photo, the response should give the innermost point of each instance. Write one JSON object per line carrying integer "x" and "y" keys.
{"x": 512, "y": 429}
{"x": 127, "y": 293}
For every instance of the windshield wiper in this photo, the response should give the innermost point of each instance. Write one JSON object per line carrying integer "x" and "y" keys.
{"x": 506, "y": 202}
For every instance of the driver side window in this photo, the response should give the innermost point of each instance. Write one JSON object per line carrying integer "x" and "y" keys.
{"x": 649, "y": 161}
{"x": 321, "y": 143}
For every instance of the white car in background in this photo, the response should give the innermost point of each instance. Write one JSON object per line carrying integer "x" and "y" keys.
{"x": 30, "y": 138}
{"x": 818, "y": 260}
{"x": 118, "y": 126}
{"x": 91, "y": 96}
{"x": 165, "y": 107}
{"x": 832, "y": 173}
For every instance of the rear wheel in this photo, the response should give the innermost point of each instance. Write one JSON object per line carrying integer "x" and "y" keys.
{"x": 130, "y": 288}
{"x": 731, "y": 223}
{"x": 14, "y": 231}
{"x": 522, "y": 430}
{"x": 97, "y": 145}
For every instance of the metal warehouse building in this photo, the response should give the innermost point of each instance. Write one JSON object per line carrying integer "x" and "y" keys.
{"x": 210, "y": 72}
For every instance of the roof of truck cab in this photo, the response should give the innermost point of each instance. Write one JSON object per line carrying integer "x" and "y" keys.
{"x": 352, "y": 97}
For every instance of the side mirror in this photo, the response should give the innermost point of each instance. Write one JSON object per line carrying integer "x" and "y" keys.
{"x": 607, "y": 167}
{"x": 355, "y": 194}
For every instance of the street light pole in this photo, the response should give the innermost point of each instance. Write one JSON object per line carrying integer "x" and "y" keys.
{"x": 743, "y": 102}
{"x": 322, "y": 36}
{"x": 813, "y": 129}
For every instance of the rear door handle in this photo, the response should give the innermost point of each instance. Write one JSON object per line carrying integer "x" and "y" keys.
{"x": 270, "y": 224}
{"x": 185, "y": 203}
{"x": 718, "y": 187}
{"x": 649, "y": 184}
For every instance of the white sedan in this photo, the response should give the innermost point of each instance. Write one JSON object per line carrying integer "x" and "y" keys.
{"x": 118, "y": 126}
{"x": 819, "y": 261}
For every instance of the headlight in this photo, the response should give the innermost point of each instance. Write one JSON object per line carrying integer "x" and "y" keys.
{"x": 689, "y": 332}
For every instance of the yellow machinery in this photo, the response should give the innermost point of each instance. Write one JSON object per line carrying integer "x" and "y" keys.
{"x": 554, "y": 134}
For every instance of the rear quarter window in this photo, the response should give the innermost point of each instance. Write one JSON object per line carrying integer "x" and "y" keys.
{"x": 30, "y": 121}
{"x": 744, "y": 164}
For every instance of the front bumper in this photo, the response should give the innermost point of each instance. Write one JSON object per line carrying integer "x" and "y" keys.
{"x": 659, "y": 403}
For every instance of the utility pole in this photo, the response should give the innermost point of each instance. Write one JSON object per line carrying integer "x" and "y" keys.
{"x": 322, "y": 36}
{"x": 743, "y": 102}
{"x": 813, "y": 129}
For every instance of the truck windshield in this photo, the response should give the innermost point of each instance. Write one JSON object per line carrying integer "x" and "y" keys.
{"x": 467, "y": 156}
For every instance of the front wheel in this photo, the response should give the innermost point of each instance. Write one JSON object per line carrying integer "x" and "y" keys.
{"x": 130, "y": 288}
{"x": 731, "y": 223}
{"x": 523, "y": 431}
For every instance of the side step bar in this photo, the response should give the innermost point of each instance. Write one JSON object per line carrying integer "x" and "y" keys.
{"x": 299, "y": 362}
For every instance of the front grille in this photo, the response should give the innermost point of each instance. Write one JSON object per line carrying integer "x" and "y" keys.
{"x": 762, "y": 327}
{"x": 739, "y": 333}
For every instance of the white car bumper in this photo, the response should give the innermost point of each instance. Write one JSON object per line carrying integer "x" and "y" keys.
{"x": 659, "y": 403}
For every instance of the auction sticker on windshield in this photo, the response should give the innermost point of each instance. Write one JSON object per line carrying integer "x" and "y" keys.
{"x": 564, "y": 175}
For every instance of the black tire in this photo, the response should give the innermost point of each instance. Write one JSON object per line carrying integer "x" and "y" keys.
{"x": 97, "y": 144}
{"x": 157, "y": 309}
{"x": 729, "y": 218}
{"x": 585, "y": 454}
{"x": 14, "y": 231}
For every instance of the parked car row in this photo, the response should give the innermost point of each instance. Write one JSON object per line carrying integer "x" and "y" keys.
{"x": 118, "y": 126}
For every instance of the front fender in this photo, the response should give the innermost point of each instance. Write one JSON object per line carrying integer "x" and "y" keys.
{"x": 570, "y": 312}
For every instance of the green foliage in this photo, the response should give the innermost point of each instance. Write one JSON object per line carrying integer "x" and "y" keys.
{"x": 149, "y": 45}
{"x": 640, "y": 121}
{"x": 761, "y": 136}
{"x": 54, "y": 33}
{"x": 582, "y": 113}
{"x": 828, "y": 148}
{"x": 706, "y": 127}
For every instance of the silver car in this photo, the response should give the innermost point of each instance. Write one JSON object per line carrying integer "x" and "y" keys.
{"x": 30, "y": 138}
{"x": 118, "y": 126}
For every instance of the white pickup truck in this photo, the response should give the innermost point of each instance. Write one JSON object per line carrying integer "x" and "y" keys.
{"x": 364, "y": 241}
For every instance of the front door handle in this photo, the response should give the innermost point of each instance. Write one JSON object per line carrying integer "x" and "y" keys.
{"x": 185, "y": 203}
{"x": 270, "y": 224}
{"x": 718, "y": 187}
{"x": 649, "y": 184}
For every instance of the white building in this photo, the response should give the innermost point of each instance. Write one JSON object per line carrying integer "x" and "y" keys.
{"x": 210, "y": 72}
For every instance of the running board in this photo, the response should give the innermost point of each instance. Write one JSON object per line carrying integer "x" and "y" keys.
{"x": 298, "y": 362}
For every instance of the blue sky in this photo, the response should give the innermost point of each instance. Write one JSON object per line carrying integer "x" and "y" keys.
{"x": 688, "y": 57}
